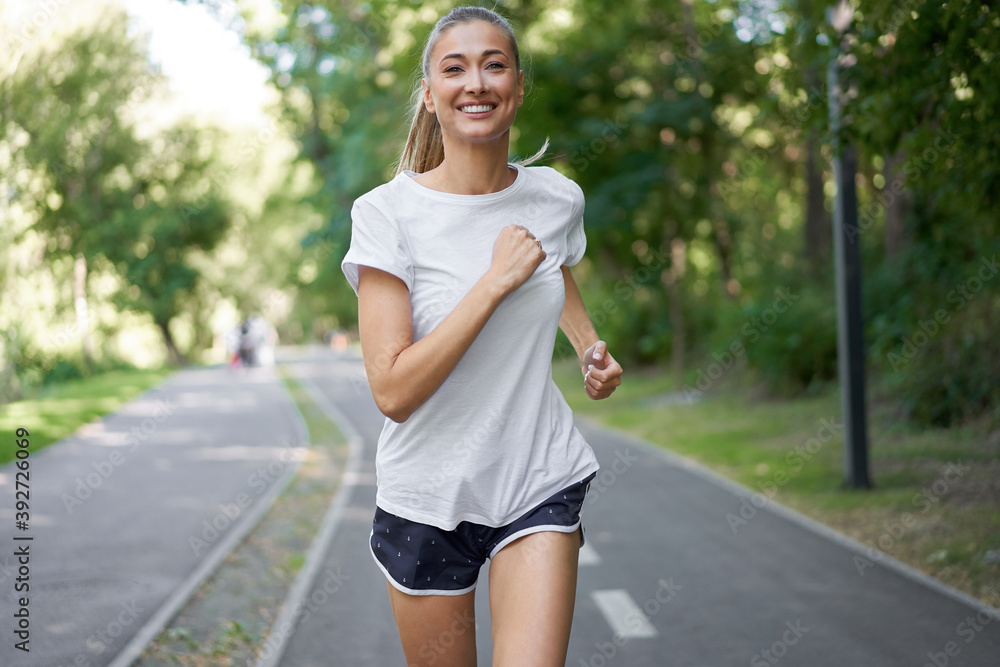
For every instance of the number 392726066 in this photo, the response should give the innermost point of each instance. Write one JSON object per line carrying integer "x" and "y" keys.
{"x": 22, "y": 489}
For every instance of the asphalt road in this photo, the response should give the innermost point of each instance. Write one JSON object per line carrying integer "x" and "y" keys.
{"x": 125, "y": 510}
{"x": 668, "y": 577}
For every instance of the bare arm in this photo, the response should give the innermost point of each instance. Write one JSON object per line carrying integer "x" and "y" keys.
{"x": 600, "y": 370}
{"x": 403, "y": 374}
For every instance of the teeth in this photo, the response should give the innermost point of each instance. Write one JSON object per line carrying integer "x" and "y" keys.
{"x": 481, "y": 108}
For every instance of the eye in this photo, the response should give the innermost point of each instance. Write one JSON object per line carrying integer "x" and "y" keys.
{"x": 453, "y": 68}
{"x": 498, "y": 66}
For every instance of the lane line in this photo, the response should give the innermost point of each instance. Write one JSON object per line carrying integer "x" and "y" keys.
{"x": 623, "y": 614}
{"x": 866, "y": 554}
{"x": 588, "y": 556}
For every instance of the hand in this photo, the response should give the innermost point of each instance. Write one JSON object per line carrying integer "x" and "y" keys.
{"x": 516, "y": 255}
{"x": 601, "y": 373}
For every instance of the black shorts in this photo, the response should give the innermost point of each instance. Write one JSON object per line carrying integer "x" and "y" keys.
{"x": 419, "y": 559}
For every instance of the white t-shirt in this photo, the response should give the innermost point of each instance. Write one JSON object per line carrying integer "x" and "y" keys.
{"x": 497, "y": 438}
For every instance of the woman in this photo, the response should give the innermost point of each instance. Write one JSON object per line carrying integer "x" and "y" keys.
{"x": 461, "y": 266}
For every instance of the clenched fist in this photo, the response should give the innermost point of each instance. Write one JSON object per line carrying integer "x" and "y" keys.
{"x": 516, "y": 255}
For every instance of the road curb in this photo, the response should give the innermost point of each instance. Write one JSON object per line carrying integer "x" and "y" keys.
{"x": 876, "y": 557}
{"x": 283, "y": 628}
{"x": 186, "y": 590}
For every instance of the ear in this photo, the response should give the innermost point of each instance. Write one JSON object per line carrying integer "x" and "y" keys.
{"x": 428, "y": 100}
{"x": 520, "y": 87}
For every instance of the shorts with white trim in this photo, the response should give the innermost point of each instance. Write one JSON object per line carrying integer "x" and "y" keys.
{"x": 419, "y": 559}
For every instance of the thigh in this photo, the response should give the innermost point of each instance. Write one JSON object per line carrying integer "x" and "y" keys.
{"x": 438, "y": 630}
{"x": 532, "y": 595}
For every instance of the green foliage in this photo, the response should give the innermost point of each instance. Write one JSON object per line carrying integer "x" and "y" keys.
{"x": 933, "y": 313}
{"x": 688, "y": 125}
{"x": 92, "y": 175}
{"x": 790, "y": 334}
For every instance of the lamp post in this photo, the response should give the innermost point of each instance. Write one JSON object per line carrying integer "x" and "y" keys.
{"x": 847, "y": 258}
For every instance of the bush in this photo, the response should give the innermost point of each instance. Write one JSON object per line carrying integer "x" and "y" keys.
{"x": 63, "y": 370}
{"x": 789, "y": 335}
{"x": 933, "y": 325}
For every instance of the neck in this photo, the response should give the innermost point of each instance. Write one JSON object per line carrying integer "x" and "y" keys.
{"x": 475, "y": 169}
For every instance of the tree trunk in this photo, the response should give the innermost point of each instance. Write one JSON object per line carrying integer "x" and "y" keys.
{"x": 724, "y": 248}
{"x": 10, "y": 385}
{"x": 173, "y": 354}
{"x": 896, "y": 205}
{"x": 817, "y": 227}
{"x": 82, "y": 314}
{"x": 672, "y": 278}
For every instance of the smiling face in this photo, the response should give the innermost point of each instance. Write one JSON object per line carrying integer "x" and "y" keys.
{"x": 473, "y": 84}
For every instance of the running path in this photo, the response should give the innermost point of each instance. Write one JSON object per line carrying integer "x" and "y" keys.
{"x": 664, "y": 578}
{"x": 353, "y": 625}
{"x": 118, "y": 509}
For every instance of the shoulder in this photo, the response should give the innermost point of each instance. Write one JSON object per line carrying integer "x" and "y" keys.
{"x": 555, "y": 183}
{"x": 549, "y": 175}
{"x": 381, "y": 201}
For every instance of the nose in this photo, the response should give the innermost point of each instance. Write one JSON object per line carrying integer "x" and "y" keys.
{"x": 475, "y": 82}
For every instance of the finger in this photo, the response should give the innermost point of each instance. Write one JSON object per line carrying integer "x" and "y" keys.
{"x": 602, "y": 386}
{"x": 600, "y": 349}
{"x": 608, "y": 374}
{"x": 598, "y": 395}
{"x": 595, "y": 385}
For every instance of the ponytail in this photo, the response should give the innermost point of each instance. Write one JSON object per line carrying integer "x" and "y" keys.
{"x": 424, "y": 148}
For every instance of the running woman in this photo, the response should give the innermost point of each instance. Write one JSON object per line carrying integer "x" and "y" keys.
{"x": 461, "y": 267}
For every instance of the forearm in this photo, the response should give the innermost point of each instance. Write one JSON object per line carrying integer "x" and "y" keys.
{"x": 574, "y": 321}
{"x": 404, "y": 380}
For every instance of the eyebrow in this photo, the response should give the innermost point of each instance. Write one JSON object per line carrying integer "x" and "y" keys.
{"x": 488, "y": 52}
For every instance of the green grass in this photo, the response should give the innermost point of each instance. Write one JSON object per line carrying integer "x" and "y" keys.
{"x": 59, "y": 410}
{"x": 782, "y": 448}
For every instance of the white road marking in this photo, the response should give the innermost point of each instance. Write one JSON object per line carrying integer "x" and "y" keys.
{"x": 588, "y": 556}
{"x": 623, "y": 614}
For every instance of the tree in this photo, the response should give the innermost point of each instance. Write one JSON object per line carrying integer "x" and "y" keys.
{"x": 70, "y": 98}
{"x": 103, "y": 189}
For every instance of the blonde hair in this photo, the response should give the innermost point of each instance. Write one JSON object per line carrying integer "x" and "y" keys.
{"x": 424, "y": 149}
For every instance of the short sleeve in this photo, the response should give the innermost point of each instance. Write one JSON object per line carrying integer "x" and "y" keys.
{"x": 576, "y": 238}
{"x": 376, "y": 241}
